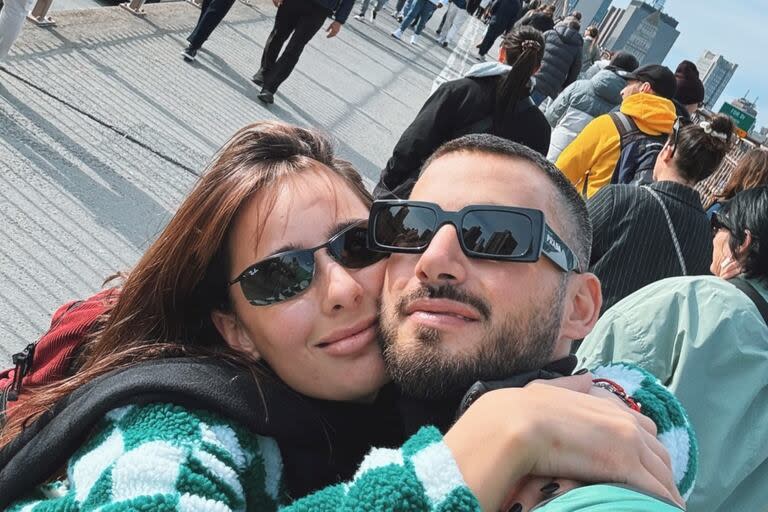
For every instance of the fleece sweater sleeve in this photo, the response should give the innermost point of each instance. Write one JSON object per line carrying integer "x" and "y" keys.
{"x": 660, "y": 405}
{"x": 420, "y": 476}
{"x": 162, "y": 457}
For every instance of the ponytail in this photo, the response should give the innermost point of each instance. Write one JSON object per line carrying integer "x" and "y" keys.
{"x": 701, "y": 147}
{"x": 524, "y": 49}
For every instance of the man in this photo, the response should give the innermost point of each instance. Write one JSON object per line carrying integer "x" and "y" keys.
{"x": 503, "y": 315}
{"x": 590, "y": 160}
{"x": 504, "y": 13}
{"x": 419, "y": 11}
{"x": 561, "y": 64}
{"x": 584, "y": 100}
{"x": 300, "y": 20}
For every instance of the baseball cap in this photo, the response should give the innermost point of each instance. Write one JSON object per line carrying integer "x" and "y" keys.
{"x": 661, "y": 78}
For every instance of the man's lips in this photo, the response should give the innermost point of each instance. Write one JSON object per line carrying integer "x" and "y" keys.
{"x": 442, "y": 307}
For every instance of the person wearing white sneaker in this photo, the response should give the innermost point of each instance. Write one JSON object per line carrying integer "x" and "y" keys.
{"x": 421, "y": 9}
{"x": 378, "y": 6}
{"x": 454, "y": 19}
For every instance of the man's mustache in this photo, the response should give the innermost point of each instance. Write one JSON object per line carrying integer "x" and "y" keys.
{"x": 445, "y": 291}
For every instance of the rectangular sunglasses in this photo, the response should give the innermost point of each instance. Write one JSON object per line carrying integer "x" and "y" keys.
{"x": 285, "y": 275}
{"x": 503, "y": 233}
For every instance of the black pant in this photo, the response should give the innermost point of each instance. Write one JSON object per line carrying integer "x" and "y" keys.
{"x": 300, "y": 20}
{"x": 211, "y": 14}
{"x": 495, "y": 29}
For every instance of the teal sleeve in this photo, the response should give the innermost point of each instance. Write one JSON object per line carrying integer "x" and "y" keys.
{"x": 660, "y": 405}
{"x": 420, "y": 476}
{"x": 606, "y": 498}
{"x": 163, "y": 457}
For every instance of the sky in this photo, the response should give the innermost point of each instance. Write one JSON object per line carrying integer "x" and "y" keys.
{"x": 737, "y": 29}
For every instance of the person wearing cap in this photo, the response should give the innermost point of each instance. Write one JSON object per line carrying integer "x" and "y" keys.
{"x": 584, "y": 100}
{"x": 590, "y": 160}
{"x": 690, "y": 89}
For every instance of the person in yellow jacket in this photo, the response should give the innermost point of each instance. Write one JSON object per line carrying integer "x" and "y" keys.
{"x": 589, "y": 161}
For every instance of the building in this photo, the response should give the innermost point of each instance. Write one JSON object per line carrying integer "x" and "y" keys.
{"x": 715, "y": 72}
{"x": 592, "y": 11}
{"x": 640, "y": 29}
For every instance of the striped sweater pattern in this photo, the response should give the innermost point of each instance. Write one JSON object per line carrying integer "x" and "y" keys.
{"x": 163, "y": 457}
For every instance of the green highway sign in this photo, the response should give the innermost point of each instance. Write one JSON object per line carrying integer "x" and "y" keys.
{"x": 741, "y": 118}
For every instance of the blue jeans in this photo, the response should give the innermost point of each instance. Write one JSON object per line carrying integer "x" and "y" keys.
{"x": 379, "y": 5}
{"x": 421, "y": 8}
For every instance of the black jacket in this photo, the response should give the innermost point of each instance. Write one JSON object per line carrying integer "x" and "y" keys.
{"x": 505, "y": 13}
{"x": 561, "y": 64}
{"x": 339, "y": 8}
{"x": 539, "y": 21}
{"x": 632, "y": 245}
{"x": 457, "y": 108}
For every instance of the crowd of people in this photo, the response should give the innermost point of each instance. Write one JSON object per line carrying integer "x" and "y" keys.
{"x": 534, "y": 308}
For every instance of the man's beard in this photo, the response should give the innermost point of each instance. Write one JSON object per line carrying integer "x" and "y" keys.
{"x": 524, "y": 341}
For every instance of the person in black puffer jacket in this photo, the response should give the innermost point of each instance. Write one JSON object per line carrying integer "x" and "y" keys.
{"x": 492, "y": 98}
{"x": 562, "y": 61}
{"x": 542, "y": 20}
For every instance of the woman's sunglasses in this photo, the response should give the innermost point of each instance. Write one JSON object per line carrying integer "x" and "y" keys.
{"x": 488, "y": 232}
{"x": 287, "y": 274}
{"x": 680, "y": 123}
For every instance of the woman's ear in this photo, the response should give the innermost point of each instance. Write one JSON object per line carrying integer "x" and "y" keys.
{"x": 234, "y": 334}
{"x": 744, "y": 247}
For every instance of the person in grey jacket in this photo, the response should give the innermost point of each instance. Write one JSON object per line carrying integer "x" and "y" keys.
{"x": 562, "y": 61}
{"x": 584, "y": 100}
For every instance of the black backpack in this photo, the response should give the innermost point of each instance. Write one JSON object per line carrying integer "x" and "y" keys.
{"x": 753, "y": 294}
{"x": 638, "y": 152}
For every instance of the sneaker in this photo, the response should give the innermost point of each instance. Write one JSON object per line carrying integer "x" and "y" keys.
{"x": 414, "y": 39}
{"x": 266, "y": 96}
{"x": 397, "y": 34}
{"x": 258, "y": 78}
{"x": 400, "y": 18}
{"x": 444, "y": 44}
{"x": 360, "y": 17}
{"x": 373, "y": 16}
{"x": 189, "y": 54}
{"x": 438, "y": 31}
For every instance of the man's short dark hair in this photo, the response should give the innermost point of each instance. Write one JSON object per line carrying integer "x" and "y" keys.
{"x": 571, "y": 211}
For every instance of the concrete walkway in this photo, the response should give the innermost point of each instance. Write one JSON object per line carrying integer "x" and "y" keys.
{"x": 104, "y": 128}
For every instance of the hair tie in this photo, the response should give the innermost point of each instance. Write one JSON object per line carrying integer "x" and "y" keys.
{"x": 707, "y": 127}
{"x": 530, "y": 44}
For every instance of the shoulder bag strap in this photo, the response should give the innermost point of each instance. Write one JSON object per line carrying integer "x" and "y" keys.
{"x": 754, "y": 295}
{"x": 671, "y": 228}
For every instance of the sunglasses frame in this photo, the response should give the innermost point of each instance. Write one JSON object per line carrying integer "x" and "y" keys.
{"x": 543, "y": 239}
{"x": 680, "y": 123}
{"x": 251, "y": 270}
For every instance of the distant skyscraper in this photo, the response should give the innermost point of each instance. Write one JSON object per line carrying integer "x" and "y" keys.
{"x": 592, "y": 11}
{"x": 640, "y": 29}
{"x": 715, "y": 72}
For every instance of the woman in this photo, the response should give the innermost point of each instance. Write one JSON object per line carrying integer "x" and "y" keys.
{"x": 491, "y": 98}
{"x": 644, "y": 234}
{"x": 278, "y": 313}
{"x": 591, "y": 50}
{"x": 750, "y": 172}
{"x": 705, "y": 339}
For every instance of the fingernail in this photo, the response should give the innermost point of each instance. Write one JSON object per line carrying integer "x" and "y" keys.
{"x": 581, "y": 372}
{"x": 550, "y": 488}
{"x": 516, "y": 508}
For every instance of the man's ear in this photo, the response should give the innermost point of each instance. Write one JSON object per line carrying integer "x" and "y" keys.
{"x": 666, "y": 153}
{"x": 582, "y": 306}
{"x": 234, "y": 333}
{"x": 744, "y": 247}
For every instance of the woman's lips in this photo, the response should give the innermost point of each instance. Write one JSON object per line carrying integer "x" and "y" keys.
{"x": 349, "y": 341}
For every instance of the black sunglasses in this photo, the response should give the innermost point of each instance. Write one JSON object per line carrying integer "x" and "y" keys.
{"x": 287, "y": 274}
{"x": 680, "y": 123}
{"x": 485, "y": 231}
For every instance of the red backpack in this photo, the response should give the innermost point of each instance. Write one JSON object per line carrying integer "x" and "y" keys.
{"x": 52, "y": 357}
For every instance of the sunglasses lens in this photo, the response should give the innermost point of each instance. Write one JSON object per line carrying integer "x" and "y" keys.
{"x": 351, "y": 249}
{"x": 496, "y": 233}
{"x": 407, "y": 227}
{"x": 277, "y": 279}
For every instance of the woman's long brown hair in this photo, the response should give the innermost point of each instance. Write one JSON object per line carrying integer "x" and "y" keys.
{"x": 164, "y": 308}
{"x": 750, "y": 172}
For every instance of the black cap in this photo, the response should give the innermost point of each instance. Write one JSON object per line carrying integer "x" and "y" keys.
{"x": 661, "y": 78}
